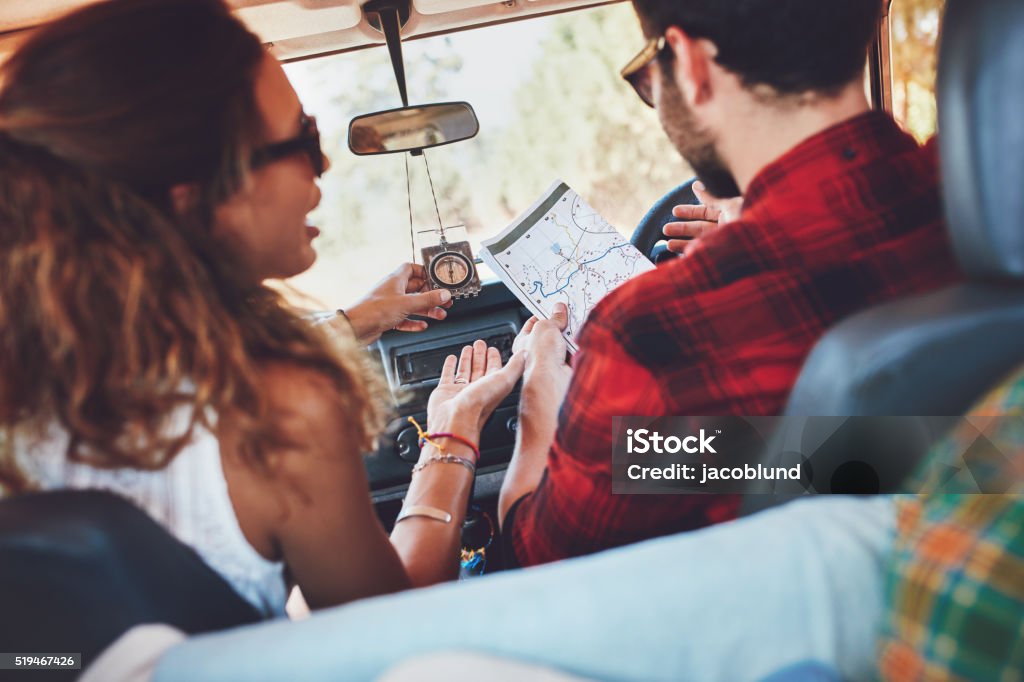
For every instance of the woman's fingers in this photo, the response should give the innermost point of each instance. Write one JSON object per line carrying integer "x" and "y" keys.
{"x": 465, "y": 370}
{"x": 474, "y": 362}
{"x": 493, "y": 360}
{"x": 423, "y": 286}
{"x": 479, "y": 360}
{"x": 413, "y": 275}
{"x": 411, "y": 326}
{"x": 448, "y": 369}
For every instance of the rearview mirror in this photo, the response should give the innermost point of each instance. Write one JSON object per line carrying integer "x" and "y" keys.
{"x": 412, "y": 128}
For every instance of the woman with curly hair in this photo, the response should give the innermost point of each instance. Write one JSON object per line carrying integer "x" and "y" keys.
{"x": 156, "y": 167}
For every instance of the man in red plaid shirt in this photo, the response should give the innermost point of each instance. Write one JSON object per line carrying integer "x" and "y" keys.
{"x": 841, "y": 211}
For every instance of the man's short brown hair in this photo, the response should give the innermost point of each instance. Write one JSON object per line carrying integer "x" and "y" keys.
{"x": 792, "y": 46}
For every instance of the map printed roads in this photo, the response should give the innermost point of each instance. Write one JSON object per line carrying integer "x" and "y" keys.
{"x": 562, "y": 250}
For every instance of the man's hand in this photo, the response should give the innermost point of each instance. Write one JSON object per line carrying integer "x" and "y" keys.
{"x": 404, "y": 292}
{"x": 545, "y": 382}
{"x": 544, "y": 345}
{"x": 700, "y": 219}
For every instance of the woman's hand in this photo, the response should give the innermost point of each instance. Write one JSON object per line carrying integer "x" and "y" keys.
{"x": 470, "y": 389}
{"x": 404, "y": 292}
{"x": 700, "y": 219}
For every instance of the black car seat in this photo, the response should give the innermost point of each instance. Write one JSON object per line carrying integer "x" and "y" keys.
{"x": 936, "y": 354}
{"x": 80, "y": 568}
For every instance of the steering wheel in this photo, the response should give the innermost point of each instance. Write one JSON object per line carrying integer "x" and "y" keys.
{"x": 649, "y": 232}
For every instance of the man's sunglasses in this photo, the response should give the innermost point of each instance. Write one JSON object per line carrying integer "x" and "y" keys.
{"x": 306, "y": 142}
{"x": 638, "y": 73}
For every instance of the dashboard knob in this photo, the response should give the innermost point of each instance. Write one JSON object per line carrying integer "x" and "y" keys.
{"x": 408, "y": 445}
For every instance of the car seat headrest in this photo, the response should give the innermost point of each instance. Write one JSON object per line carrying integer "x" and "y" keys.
{"x": 981, "y": 134}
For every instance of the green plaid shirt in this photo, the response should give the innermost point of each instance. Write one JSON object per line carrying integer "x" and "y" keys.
{"x": 955, "y": 583}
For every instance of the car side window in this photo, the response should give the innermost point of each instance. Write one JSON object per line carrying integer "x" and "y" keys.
{"x": 914, "y": 26}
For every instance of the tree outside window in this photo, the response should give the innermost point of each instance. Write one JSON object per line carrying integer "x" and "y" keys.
{"x": 915, "y": 37}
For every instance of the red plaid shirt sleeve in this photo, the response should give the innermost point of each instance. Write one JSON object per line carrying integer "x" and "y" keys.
{"x": 572, "y": 512}
{"x": 849, "y": 219}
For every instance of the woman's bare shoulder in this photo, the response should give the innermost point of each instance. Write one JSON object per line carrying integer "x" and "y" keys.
{"x": 305, "y": 445}
{"x": 292, "y": 389}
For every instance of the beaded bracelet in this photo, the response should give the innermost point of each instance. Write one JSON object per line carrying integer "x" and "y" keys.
{"x": 446, "y": 459}
{"x": 425, "y": 437}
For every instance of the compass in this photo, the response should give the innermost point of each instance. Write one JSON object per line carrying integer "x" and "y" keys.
{"x": 450, "y": 269}
{"x": 450, "y": 266}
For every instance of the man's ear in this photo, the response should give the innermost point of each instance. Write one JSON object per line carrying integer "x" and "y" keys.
{"x": 184, "y": 198}
{"x": 692, "y": 64}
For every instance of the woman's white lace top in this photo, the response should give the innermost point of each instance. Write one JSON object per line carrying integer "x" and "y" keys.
{"x": 189, "y": 498}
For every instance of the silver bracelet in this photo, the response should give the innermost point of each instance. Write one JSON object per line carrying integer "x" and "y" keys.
{"x": 445, "y": 459}
{"x": 425, "y": 512}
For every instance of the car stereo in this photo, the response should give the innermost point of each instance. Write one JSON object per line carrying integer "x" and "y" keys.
{"x": 412, "y": 364}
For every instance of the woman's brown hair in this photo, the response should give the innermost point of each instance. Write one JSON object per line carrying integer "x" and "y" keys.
{"x": 115, "y": 310}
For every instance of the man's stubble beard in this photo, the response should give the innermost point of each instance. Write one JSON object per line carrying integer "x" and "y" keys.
{"x": 695, "y": 143}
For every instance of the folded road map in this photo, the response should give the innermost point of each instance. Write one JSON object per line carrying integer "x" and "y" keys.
{"x": 562, "y": 250}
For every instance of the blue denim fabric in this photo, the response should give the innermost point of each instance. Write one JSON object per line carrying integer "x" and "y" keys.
{"x": 735, "y": 602}
{"x": 808, "y": 671}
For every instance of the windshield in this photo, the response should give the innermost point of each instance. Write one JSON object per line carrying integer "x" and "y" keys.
{"x": 551, "y": 106}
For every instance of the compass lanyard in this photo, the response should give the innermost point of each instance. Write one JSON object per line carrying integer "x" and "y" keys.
{"x": 433, "y": 194}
